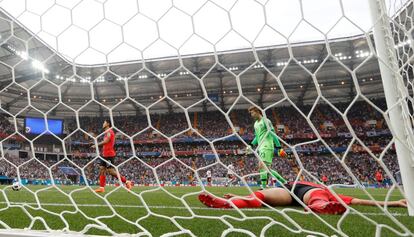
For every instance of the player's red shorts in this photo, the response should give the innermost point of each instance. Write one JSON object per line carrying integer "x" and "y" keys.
{"x": 209, "y": 179}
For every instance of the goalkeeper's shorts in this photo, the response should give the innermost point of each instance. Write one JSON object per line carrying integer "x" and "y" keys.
{"x": 266, "y": 156}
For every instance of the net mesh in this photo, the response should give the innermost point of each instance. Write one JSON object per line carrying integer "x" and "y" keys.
{"x": 179, "y": 112}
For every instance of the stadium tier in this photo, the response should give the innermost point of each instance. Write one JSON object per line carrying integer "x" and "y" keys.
{"x": 193, "y": 150}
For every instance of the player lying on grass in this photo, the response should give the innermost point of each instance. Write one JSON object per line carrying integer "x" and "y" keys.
{"x": 317, "y": 198}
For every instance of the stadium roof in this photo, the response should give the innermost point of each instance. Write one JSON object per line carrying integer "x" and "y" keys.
{"x": 110, "y": 31}
{"x": 303, "y": 68}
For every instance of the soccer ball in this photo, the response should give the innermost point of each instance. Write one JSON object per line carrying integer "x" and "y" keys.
{"x": 16, "y": 186}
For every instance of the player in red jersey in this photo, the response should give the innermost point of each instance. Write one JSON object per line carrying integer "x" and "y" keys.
{"x": 324, "y": 179}
{"x": 379, "y": 178}
{"x": 316, "y": 197}
{"x": 108, "y": 155}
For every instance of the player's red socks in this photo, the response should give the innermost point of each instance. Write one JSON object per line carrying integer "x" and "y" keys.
{"x": 253, "y": 202}
{"x": 216, "y": 202}
{"x": 319, "y": 202}
{"x": 102, "y": 180}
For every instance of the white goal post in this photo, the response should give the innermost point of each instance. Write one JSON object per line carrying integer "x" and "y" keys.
{"x": 395, "y": 94}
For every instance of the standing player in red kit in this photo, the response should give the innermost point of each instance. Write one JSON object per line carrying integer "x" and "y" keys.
{"x": 324, "y": 179}
{"x": 108, "y": 155}
{"x": 379, "y": 178}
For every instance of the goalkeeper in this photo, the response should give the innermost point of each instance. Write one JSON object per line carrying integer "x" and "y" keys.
{"x": 266, "y": 139}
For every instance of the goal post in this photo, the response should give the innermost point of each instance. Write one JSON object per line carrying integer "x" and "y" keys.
{"x": 395, "y": 95}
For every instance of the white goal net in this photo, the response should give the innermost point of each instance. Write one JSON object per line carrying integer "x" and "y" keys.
{"x": 174, "y": 79}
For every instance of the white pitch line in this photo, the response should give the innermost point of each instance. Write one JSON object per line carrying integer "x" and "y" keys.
{"x": 177, "y": 207}
{"x": 185, "y": 192}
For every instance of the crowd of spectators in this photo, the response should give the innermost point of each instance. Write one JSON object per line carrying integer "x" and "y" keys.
{"x": 149, "y": 132}
{"x": 187, "y": 170}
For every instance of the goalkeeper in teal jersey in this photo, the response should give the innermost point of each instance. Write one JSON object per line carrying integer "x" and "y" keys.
{"x": 266, "y": 139}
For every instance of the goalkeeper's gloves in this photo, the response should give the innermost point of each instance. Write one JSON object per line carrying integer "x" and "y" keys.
{"x": 280, "y": 152}
{"x": 249, "y": 150}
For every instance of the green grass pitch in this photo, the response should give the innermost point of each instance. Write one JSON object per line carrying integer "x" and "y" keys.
{"x": 164, "y": 211}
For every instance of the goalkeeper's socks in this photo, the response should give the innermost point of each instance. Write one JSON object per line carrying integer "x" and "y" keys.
{"x": 263, "y": 178}
{"x": 263, "y": 184}
{"x": 278, "y": 176}
{"x": 123, "y": 179}
{"x": 102, "y": 180}
{"x": 253, "y": 202}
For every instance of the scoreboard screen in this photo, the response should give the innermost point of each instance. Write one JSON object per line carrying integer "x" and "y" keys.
{"x": 37, "y": 126}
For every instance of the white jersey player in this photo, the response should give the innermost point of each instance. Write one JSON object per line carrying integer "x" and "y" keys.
{"x": 231, "y": 177}
{"x": 230, "y": 171}
{"x": 208, "y": 177}
{"x": 273, "y": 181}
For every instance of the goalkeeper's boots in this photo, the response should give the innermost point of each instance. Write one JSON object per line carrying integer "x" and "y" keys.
{"x": 327, "y": 207}
{"x": 128, "y": 185}
{"x": 215, "y": 202}
{"x": 100, "y": 190}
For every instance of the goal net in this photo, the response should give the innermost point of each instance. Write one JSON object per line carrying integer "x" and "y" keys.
{"x": 174, "y": 80}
